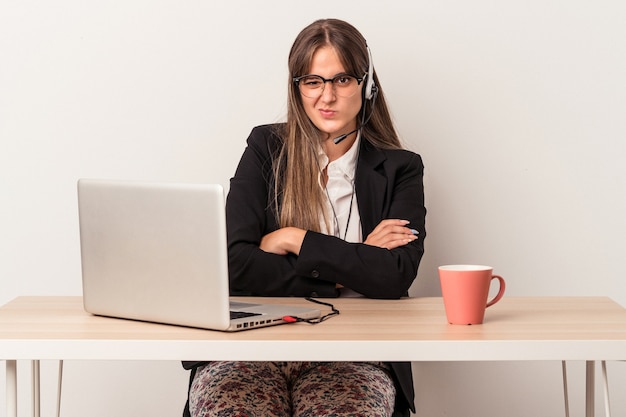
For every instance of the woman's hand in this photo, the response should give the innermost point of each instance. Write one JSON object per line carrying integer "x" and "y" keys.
{"x": 391, "y": 233}
{"x": 283, "y": 241}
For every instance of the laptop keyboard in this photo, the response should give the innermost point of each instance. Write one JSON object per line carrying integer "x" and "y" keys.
{"x": 242, "y": 314}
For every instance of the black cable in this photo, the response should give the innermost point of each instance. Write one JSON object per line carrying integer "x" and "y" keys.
{"x": 334, "y": 312}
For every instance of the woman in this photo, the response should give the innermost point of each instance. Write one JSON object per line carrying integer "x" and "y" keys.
{"x": 327, "y": 204}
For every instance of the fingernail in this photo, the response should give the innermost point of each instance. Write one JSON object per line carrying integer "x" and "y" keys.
{"x": 415, "y": 232}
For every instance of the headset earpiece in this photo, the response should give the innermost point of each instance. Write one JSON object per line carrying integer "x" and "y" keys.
{"x": 370, "y": 86}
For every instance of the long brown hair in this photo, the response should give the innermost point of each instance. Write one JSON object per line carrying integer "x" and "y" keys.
{"x": 299, "y": 200}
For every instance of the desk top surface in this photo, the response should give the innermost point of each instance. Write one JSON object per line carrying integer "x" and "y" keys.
{"x": 516, "y": 328}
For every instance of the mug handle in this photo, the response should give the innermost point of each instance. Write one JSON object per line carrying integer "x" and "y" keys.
{"x": 500, "y": 292}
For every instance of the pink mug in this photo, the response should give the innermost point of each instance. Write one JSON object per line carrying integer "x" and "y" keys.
{"x": 465, "y": 289}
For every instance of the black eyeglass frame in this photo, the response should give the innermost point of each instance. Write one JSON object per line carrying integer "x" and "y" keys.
{"x": 359, "y": 80}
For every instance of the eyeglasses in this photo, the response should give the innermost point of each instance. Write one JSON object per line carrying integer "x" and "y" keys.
{"x": 312, "y": 86}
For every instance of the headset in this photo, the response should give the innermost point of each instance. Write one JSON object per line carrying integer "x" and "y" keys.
{"x": 371, "y": 90}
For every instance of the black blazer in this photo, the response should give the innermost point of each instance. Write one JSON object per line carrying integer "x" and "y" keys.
{"x": 388, "y": 184}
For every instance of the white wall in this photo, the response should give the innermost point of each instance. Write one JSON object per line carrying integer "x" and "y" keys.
{"x": 518, "y": 108}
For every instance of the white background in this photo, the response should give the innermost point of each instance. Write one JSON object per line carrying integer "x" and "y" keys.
{"x": 517, "y": 107}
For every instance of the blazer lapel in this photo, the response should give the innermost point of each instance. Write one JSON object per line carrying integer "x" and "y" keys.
{"x": 371, "y": 187}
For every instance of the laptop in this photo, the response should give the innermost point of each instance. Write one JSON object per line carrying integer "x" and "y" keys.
{"x": 157, "y": 252}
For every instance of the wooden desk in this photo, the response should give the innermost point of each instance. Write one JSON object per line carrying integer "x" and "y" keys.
{"x": 412, "y": 329}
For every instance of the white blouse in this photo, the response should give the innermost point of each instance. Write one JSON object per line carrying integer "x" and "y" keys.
{"x": 341, "y": 203}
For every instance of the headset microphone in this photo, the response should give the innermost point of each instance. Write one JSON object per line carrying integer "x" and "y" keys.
{"x": 345, "y": 135}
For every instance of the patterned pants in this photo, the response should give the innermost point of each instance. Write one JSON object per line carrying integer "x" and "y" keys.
{"x": 299, "y": 389}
